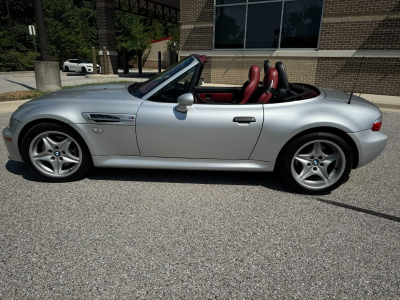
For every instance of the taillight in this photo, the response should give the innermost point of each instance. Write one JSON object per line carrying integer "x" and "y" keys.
{"x": 377, "y": 125}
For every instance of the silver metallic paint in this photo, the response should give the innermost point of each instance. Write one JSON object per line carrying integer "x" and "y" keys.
{"x": 206, "y": 136}
{"x": 204, "y": 131}
{"x": 181, "y": 163}
{"x": 283, "y": 121}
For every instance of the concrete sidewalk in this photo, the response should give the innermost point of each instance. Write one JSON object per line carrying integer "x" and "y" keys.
{"x": 390, "y": 103}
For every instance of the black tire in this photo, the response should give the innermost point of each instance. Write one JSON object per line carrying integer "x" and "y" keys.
{"x": 286, "y": 157}
{"x": 66, "y": 69}
{"x": 85, "y": 157}
{"x": 83, "y": 70}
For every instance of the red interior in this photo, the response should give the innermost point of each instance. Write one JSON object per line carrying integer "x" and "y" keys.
{"x": 217, "y": 97}
{"x": 254, "y": 79}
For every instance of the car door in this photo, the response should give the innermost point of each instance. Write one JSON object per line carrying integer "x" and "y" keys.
{"x": 212, "y": 131}
{"x": 73, "y": 65}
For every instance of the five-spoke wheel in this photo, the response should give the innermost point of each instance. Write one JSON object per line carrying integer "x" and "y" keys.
{"x": 316, "y": 163}
{"x": 55, "y": 153}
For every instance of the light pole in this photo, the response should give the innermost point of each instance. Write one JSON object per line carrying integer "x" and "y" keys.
{"x": 47, "y": 70}
{"x": 44, "y": 48}
{"x": 11, "y": 28}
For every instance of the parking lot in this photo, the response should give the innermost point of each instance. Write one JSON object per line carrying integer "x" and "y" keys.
{"x": 124, "y": 234}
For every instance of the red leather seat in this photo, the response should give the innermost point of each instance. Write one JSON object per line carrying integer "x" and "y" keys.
{"x": 252, "y": 84}
{"x": 271, "y": 74}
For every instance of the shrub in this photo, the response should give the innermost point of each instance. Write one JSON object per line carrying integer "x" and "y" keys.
{"x": 16, "y": 61}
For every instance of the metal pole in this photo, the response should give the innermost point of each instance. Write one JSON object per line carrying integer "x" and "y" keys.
{"x": 125, "y": 60}
{"x": 105, "y": 61}
{"x": 176, "y": 57}
{"x": 159, "y": 61}
{"x": 171, "y": 58}
{"x": 34, "y": 42}
{"x": 11, "y": 28}
{"x": 94, "y": 60}
{"x": 44, "y": 48}
{"x": 140, "y": 61}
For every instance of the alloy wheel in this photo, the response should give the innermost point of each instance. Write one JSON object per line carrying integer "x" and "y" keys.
{"x": 318, "y": 164}
{"x": 55, "y": 154}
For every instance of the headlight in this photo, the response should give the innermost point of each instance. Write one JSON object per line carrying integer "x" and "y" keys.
{"x": 10, "y": 123}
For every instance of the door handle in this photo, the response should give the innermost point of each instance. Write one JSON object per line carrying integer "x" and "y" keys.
{"x": 244, "y": 119}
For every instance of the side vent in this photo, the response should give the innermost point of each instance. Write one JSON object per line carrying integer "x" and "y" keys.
{"x": 104, "y": 118}
{"x": 109, "y": 118}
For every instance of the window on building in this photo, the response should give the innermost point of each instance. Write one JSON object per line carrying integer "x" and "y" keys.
{"x": 267, "y": 24}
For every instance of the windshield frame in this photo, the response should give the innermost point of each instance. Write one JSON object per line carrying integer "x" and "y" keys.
{"x": 134, "y": 89}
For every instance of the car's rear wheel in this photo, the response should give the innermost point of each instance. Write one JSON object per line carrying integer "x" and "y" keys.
{"x": 66, "y": 69}
{"x": 316, "y": 163}
{"x": 83, "y": 70}
{"x": 55, "y": 153}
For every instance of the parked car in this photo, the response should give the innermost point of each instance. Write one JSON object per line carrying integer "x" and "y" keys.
{"x": 79, "y": 65}
{"x": 311, "y": 135}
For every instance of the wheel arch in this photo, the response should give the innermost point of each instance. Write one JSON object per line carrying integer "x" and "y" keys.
{"x": 33, "y": 123}
{"x": 333, "y": 130}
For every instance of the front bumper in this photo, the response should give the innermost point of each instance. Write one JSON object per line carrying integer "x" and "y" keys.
{"x": 370, "y": 145}
{"x": 12, "y": 146}
{"x": 90, "y": 70}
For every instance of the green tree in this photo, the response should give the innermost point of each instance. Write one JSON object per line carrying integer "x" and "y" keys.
{"x": 71, "y": 29}
{"x": 130, "y": 33}
{"x": 173, "y": 44}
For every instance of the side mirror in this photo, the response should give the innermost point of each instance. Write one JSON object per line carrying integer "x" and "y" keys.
{"x": 201, "y": 82}
{"x": 184, "y": 101}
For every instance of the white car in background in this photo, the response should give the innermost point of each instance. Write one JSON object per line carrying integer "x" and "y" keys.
{"x": 79, "y": 65}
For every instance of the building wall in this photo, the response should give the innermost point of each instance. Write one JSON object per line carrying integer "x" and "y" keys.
{"x": 358, "y": 25}
{"x": 361, "y": 25}
{"x": 150, "y": 56}
{"x": 197, "y": 24}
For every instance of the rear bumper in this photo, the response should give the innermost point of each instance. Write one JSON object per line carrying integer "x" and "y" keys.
{"x": 370, "y": 145}
{"x": 12, "y": 146}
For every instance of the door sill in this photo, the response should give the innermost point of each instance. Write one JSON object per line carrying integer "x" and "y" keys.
{"x": 140, "y": 162}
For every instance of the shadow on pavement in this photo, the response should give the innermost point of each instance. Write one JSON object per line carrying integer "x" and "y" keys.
{"x": 75, "y": 74}
{"x": 363, "y": 210}
{"x": 21, "y": 84}
{"x": 268, "y": 180}
{"x": 271, "y": 181}
{"x": 19, "y": 168}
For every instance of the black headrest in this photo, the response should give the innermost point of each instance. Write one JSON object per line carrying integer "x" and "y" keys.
{"x": 283, "y": 82}
{"x": 267, "y": 65}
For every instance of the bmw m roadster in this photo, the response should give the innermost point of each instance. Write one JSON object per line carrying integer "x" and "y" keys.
{"x": 313, "y": 136}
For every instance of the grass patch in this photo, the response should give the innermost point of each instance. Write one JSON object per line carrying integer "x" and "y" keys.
{"x": 22, "y": 95}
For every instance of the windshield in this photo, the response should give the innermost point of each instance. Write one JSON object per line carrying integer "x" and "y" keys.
{"x": 82, "y": 61}
{"x": 139, "y": 90}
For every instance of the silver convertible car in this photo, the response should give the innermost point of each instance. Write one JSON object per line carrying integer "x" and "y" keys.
{"x": 312, "y": 136}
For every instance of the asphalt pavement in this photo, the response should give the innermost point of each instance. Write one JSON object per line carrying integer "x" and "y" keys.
{"x": 148, "y": 234}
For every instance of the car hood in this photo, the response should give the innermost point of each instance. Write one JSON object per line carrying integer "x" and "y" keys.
{"x": 88, "y": 64}
{"x": 89, "y": 93}
{"x": 68, "y": 104}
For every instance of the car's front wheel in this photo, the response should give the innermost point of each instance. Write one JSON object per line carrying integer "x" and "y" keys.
{"x": 316, "y": 163}
{"x": 83, "y": 70}
{"x": 66, "y": 69}
{"x": 55, "y": 153}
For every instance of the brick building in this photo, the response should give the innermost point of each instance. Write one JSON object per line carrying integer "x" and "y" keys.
{"x": 321, "y": 42}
